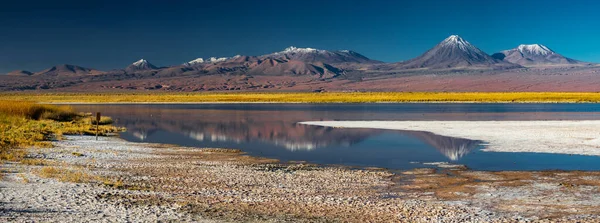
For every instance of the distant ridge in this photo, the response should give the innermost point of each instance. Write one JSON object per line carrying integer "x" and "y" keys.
{"x": 311, "y": 55}
{"x": 67, "y": 70}
{"x": 200, "y": 61}
{"x": 19, "y": 73}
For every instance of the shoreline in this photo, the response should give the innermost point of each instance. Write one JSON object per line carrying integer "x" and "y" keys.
{"x": 156, "y": 182}
{"x": 317, "y": 103}
{"x": 306, "y": 97}
{"x": 560, "y": 137}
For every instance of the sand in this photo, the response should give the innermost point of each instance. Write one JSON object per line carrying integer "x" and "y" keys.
{"x": 562, "y": 137}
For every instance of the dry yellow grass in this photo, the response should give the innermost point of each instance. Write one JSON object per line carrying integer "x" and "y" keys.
{"x": 113, "y": 183}
{"x": 35, "y": 111}
{"x": 103, "y": 121}
{"x": 329, "y": 97}
{"x": 37, "y": 162}
{"x": 66, "y": 175}
{"x": 24, "y": 178}
{"x": 25, "y": 124}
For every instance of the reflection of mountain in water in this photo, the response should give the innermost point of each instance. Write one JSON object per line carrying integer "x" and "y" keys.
{"x": 293, "y": 138}
{"x": 142, "y": 135}
{"x": 453, "y": 148}
{"x": 237, "y": 126}
{"x": 273, "y": 127}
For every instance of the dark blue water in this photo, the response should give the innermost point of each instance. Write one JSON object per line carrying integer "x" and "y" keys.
{"x": 271, "y": 130}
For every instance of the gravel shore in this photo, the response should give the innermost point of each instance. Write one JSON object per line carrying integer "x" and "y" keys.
{"x": 149, "y": 182}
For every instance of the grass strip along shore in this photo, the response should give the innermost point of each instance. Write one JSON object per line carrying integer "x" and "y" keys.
{"x": 27, "y": 124}
{"x": 326, "y": 97}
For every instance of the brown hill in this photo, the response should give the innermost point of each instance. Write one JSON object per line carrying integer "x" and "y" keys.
{"x": 67, "y": 70}
{"x": 19, "y": 73}
{"x": 293, "y": 67}
{"x": 310, "y": 55}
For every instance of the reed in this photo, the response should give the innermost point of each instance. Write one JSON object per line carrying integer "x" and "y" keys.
{"x": 35, "y": 111}
{"x": 27, "y": 124}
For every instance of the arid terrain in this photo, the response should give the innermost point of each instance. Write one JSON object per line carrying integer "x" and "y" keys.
{"x": 151, "y": 182}
{"x": 452, "y": 65}
{"x": 429, "y": 111}
{"x": 575, "y": 79}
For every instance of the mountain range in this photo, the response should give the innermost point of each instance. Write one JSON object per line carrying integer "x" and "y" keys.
{"x": 453, "y": 55}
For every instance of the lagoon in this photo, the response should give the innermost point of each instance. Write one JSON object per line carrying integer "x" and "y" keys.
{"x": 274, "y": 131}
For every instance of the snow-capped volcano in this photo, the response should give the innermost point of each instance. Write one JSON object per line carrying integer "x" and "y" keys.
{"x": 454, "y": 52}
{"x": 140, "y": 65}
{"x": 143, "y": 64}
{"x": 535, "y": 49}
{"x": 533, "y": 54}
{"x": 457, "y": 41}
{"x": 311, "y": 55}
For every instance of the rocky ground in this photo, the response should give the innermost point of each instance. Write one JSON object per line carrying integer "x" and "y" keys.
{"x": 540, "y": 79}
{"x": 81, "y": 179}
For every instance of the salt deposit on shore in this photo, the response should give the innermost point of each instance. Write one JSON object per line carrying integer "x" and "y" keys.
{"x": 139, "y": 182}
{"x": 168, "y": 183}
{"x": 564, "y": 137}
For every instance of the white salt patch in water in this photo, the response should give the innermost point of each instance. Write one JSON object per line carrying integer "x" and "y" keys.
{"x": 561, "y": 137}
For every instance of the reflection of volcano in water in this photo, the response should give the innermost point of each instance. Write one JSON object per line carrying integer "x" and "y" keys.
{"x": 140, "y": 134}
{"x": 453, "y": 148}
{"x": 301, "y": 137}
{"x": 274, "y": 127}
{"x": 271, "y": 131}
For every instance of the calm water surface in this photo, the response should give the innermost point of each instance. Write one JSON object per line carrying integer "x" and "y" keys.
{"x": 271, "y": 130}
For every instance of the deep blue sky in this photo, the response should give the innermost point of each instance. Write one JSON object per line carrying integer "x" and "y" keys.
{"x": 112, "y": 34}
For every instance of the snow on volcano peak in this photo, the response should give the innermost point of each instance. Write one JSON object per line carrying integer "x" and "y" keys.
{"x": 140, "y": 62}
{"x": 536, "y": 49}
{"x": 457, "y": 41}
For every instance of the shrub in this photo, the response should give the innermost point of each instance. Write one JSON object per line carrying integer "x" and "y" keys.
{"x": 103, "y": 121}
